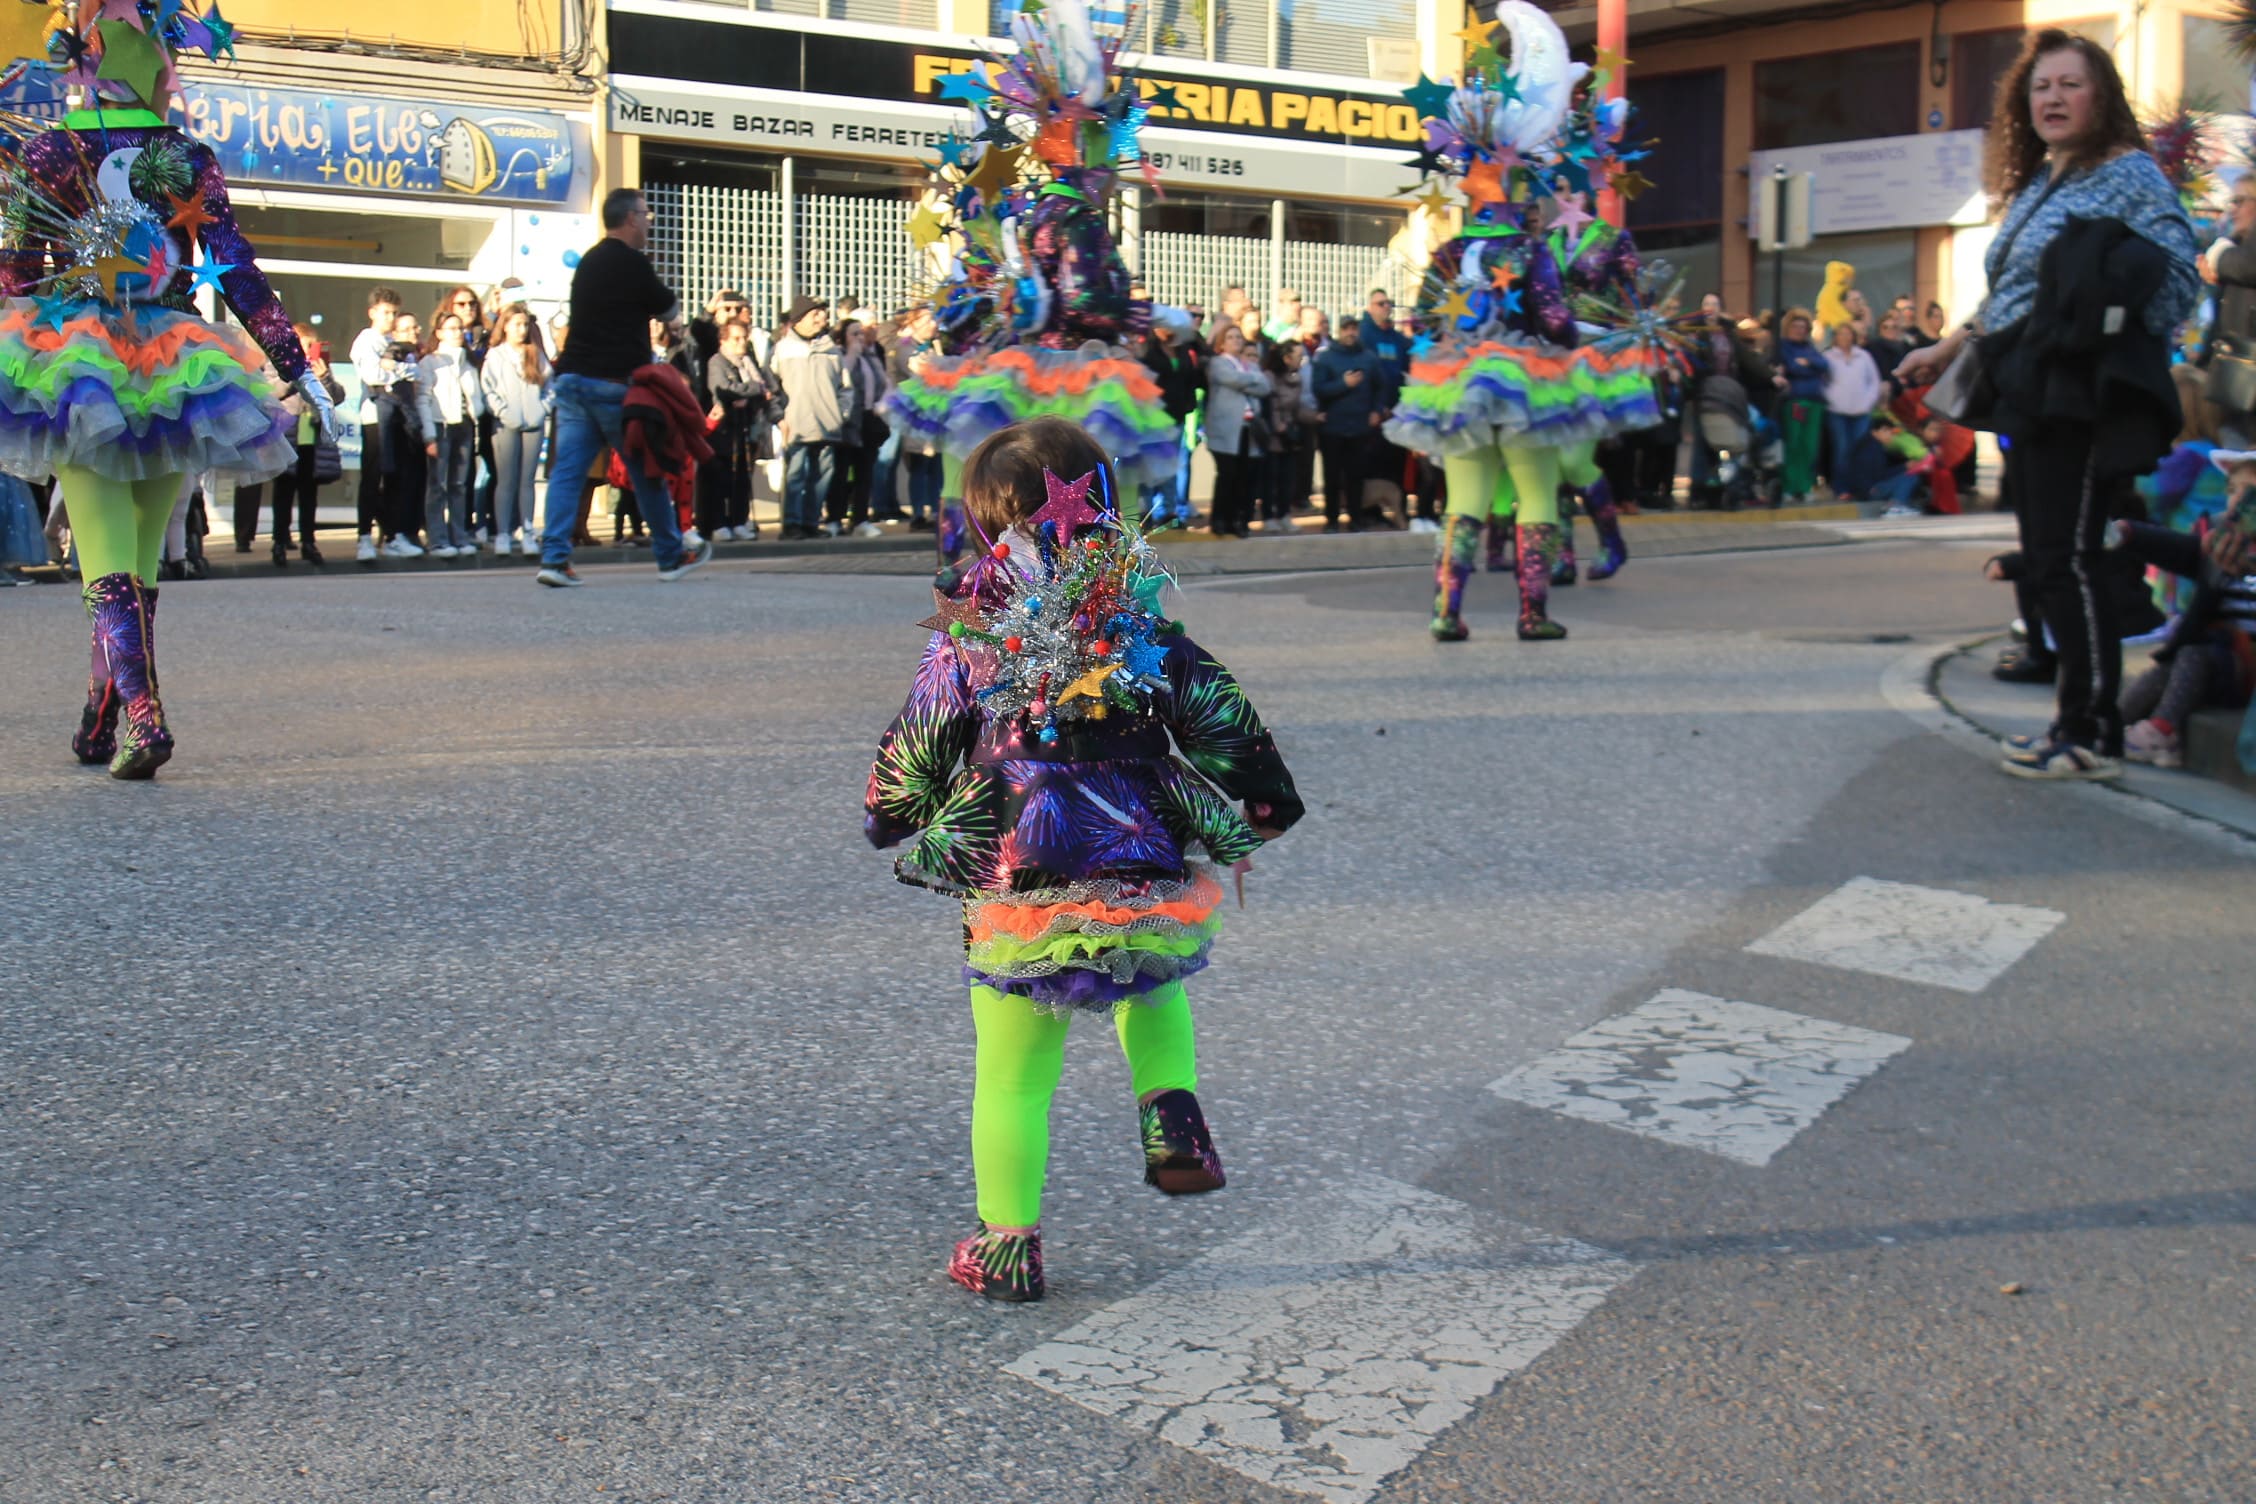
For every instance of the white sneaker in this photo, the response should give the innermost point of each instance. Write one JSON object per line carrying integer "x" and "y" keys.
{"x": 692, "y": 539}
{"x": 480, "y": 536}
{"x": 402, "y": 548}
{"x": 445, "y": 551}
{"x": 530, "y": 548}
{"x": 1903, "y": 511}
{"x": 869, "y": 530}
{"x": 830, "y": 530}
{"x": 1424, "y": 525}
{"x": 501, "y": 547}
{"x": 366, "y": 553}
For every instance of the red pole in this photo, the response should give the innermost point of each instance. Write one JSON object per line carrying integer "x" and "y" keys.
{"x": 1613, "y": 53}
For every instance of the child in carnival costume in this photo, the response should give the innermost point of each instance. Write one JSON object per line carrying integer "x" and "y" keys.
{"x": 1600, "y": 266}
{"x": 1510, "y": 382}
{"x": 1034, "y": 756}
{"x": 1031, "y": 294}
{"x": 109, "y": 381}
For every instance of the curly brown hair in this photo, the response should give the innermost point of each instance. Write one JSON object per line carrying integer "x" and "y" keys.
{"x": 2014, "y": 153}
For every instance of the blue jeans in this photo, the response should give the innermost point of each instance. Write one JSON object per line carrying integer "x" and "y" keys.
{"x": 591, "y": 416}
{"x": 807, "y": 471}
{"x": 1171, "y": 498}
{"x": 1845, "y": 433}
{"x": 1896, "y": 490}
{"x": 884, "y": 501}
{"x": 925, "y": 475}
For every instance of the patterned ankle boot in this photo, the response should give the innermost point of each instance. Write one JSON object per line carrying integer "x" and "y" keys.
{"x": 1606, "y": 517}
{"x": 1453, "y": 566}
{"x": 124, "y": 626}
{"x": 96, "y": 741}
{"x": 1000, "y": 1265}
{"x": 1536, "y": 546}
{"x": 1563, "y": 571}
{"x": 1179, "y": 1154}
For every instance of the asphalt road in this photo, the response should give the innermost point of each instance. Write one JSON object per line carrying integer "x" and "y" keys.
{"x": 488, "y": 1066}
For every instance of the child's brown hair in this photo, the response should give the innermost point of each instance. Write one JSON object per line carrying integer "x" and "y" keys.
{"x": 1002, "y": 481}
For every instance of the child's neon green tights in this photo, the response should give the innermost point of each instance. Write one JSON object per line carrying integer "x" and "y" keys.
{"x": 1020, "y": 1057}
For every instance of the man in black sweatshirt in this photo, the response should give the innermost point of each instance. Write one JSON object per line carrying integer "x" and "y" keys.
{"x": 616, "y": 292}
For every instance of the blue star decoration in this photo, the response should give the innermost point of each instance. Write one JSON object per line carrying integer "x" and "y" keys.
{"x": 1422, "y": 344}
{"x": 1429, "y": 99}
{"x": 208, "y": 274}
{"x": 54, "y": 308}
{"x": 1512, "y": 301}
{"x": 1141, "y": 658}
{"x": 952, "y": 151}
{"x": 965, "y": 88}
{"x": 1163, "y": 98}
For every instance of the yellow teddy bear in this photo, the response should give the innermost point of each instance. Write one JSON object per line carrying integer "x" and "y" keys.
{"x": 1832, "y": 299}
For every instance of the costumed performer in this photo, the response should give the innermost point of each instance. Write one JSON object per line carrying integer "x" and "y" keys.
{"x": 1031, "y": 293}
{"x": 109, "y": 381}
{"x": 1507, "y": 382}
{"x": 1599, "y": 265}
{"x": 1033, "y": 754}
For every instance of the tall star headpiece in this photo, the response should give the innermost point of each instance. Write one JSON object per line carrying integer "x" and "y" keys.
{"x": 1067, "y": 505}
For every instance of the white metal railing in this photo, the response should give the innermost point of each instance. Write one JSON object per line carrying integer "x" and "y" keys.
{"x": 1190, "y": 271}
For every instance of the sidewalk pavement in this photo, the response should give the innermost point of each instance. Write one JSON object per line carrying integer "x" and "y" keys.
{"x": 900, "y": 552}
{"x": 2211, "y": 786}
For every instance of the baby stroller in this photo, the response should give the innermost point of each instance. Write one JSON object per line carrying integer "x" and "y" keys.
{"x": 1751, "y": 460}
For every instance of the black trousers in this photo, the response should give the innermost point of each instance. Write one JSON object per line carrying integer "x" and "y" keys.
{"x": 1346, "y": 462}
{"x": 294, "y": 486}
{"x": 1232, "y": 511}
{"x": 2065, "y": 504}
{"x": 394, "y": 503}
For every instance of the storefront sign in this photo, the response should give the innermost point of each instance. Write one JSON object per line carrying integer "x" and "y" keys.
{"x": 290, "y": 138}
{"x": 357, "y": 143}
{"x": 754, "y": 54}
{"x": 1889, "y": 183}
{"x": 776, "y": 121}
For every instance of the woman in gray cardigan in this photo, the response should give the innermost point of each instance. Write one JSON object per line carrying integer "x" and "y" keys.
{"x": 1235, "y": 430}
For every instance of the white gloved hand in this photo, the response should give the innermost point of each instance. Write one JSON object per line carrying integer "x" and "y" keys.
{"x": 309, "y": 387}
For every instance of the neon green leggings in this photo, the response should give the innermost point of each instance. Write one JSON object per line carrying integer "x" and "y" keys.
{"x": 1578, "y": 467}
{"x": 118, "y": 525}
{"x": 1491, "y": 480}
{"x": 1021, "y": 1055}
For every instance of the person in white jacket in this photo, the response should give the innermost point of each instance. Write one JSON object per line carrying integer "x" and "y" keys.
{"x": 515, "y": 383}
{"x": 1852, "y": 390}
{"x": 451, "y": 405}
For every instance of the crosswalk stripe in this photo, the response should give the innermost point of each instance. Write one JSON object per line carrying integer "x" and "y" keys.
{"x": 1914, "y": 934}
{"x": 1323, "y": 1351}
{"x": 1729, "y": 1078}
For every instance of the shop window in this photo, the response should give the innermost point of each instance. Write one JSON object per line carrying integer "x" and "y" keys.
{"x": 2215, "y": 77}
{"x": 1207, "y": 214}
{"x": 1338, "y": 224}
{"x": 1977, "y": 61}
{"x": 1694, "y": 258}
{"x": 1886, "y": 265}
{"x": 1838, "y": 96}
{"x": 1681, "y": 115}
{"x": 364, "y": 239}
{"x": 921, "y": 14}
{"x": 1336, "y": 36}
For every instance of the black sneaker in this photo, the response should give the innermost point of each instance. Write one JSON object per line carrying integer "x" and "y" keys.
{"x": 692, "y": 558}
{"x": 2020, "y": 666}
{"x": 1179, "y": 1154}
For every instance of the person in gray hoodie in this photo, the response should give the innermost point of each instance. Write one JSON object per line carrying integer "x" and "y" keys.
{"x": 515, "y": 381}
{"x": 819, "y": 414}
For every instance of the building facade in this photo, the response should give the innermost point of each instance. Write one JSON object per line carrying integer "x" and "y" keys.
{"x": 1885, "y": 106}
{"x": 783, "y": 148}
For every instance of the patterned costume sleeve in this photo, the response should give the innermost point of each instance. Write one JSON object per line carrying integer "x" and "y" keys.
{"x": 1546, "y": 294}
{"x": 917, "y": 757}
{"x": 1623, "y": 265}
{"x": 1222, "y": 736}
{"x": 246, "y": 286}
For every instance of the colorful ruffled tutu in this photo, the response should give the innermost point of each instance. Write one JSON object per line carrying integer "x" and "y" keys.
{"x": 956, "y": 401}
{"x": 134, "y": 394}
{"x": 1476, "y": 397}
{"x": 1092, "y": 945}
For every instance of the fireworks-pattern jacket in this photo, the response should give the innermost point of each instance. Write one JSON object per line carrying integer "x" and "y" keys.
{"x": 1001, "y": 811}
{"x": 180, "y": 182}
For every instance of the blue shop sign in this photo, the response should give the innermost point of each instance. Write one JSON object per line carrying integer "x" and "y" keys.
{"x": 357, "y": 143}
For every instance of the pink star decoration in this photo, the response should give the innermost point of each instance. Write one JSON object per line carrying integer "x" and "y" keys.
{"x": 1570, "y": 216}
{"x": 1067, "y": 506}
